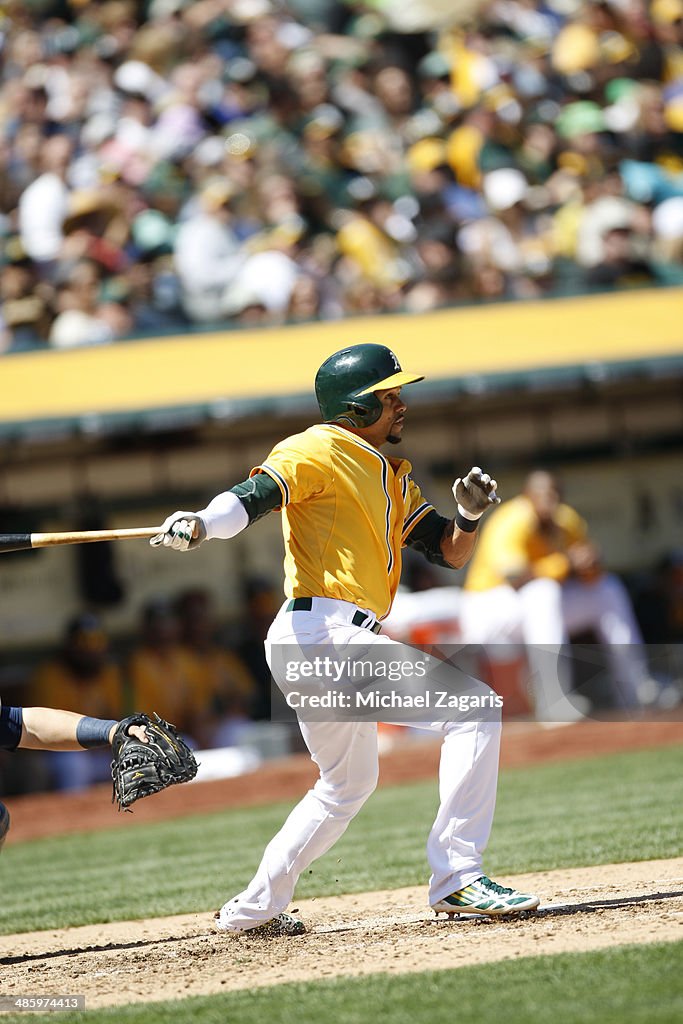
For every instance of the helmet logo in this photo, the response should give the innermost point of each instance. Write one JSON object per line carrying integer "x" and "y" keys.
{"x": 397, "y": 365}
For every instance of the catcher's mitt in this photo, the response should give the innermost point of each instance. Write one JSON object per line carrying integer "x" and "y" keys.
{"x": 139, "y": 769}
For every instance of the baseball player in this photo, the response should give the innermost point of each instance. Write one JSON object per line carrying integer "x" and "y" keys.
{"x": 347, "y": 510}
{"x": 52, "y": 729}
{"x": 536, "y": 578}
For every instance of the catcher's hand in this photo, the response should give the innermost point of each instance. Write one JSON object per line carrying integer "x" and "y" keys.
{"x": 142, "y": 767}
{"x": 476, "y": 492}
{"x": 181, "y": 531}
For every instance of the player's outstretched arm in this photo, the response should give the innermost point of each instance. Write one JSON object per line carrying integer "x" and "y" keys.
{"x": 53, "y": 729}
{"x": 475, "y": 494}
{"x": 224, "y": 517}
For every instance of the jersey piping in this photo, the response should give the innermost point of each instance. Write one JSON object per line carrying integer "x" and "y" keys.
{"x": 385, "y": 486}
{"x": 415, "y": 518}
{"x": 279, "y": 480}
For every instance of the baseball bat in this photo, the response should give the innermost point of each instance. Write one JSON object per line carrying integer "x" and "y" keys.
{"x": 24, "y": 541}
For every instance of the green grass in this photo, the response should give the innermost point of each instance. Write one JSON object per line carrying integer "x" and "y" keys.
{"x": 628, "y": 985}
{"x": 619, "y": 808}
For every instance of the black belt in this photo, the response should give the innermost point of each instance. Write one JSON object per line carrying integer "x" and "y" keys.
{"x": 305, "y": 604}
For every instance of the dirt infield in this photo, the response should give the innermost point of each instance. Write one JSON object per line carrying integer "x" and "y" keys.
{"x": 524, "y": 743}
{"x": 385, "y": 932}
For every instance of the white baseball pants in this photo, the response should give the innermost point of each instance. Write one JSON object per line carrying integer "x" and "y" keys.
{"x": 346, "y": 754}
{"x": 543, "y": 614}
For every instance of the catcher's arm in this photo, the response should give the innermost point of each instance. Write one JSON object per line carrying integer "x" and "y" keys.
{"x": 54, "y": 729}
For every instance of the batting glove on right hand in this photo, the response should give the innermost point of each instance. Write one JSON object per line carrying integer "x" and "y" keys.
{"x": 476, "y": 492}
{"x": 182, "y": 531}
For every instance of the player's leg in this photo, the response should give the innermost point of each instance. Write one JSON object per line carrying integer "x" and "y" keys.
{"x": 468, "y": 778}
{"x": 346, "y": 754}
{"x": 491, "y": 616}
{"x": 542, "y": 612}
{"x": 605, "y": 606}
{"x": 532, "y": 615}
{"x": 468, "y": 768}
{"x": 546, "y": 636}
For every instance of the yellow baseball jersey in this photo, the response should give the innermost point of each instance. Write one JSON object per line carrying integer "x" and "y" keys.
{"x": 346, "y": 512}
{"x": 513, "y": 543}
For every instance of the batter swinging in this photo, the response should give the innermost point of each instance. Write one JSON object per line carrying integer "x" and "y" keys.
{"x": 347, "y": 509}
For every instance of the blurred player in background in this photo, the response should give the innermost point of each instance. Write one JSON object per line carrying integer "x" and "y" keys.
{"x": 536, "y": 578}
{"x": 81, "y": 678}
{"x": 223, "y": 689}
{"x": 159, "y": 670}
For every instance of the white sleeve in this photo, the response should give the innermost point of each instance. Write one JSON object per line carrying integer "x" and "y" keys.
{"x": 224, "y": 516}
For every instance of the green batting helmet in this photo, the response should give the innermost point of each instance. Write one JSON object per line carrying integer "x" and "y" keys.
{"x": 346, "y": 382}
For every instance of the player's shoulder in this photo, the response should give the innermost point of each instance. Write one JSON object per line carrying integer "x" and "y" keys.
{"x": 568, "y": 517}
{"x": 313, "y": 441}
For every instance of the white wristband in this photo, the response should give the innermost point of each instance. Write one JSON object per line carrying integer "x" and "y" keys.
{"x": 224, "y": 516}
{"x": 470, "y": 515}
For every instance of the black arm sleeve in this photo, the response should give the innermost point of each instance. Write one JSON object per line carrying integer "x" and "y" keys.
{"x": 259, "y": 495}
{"x": 426, "y": 535}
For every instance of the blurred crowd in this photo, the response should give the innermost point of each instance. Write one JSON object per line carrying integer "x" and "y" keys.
{"x": 209, "y": 682}
{"x": 170, "y": 164}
